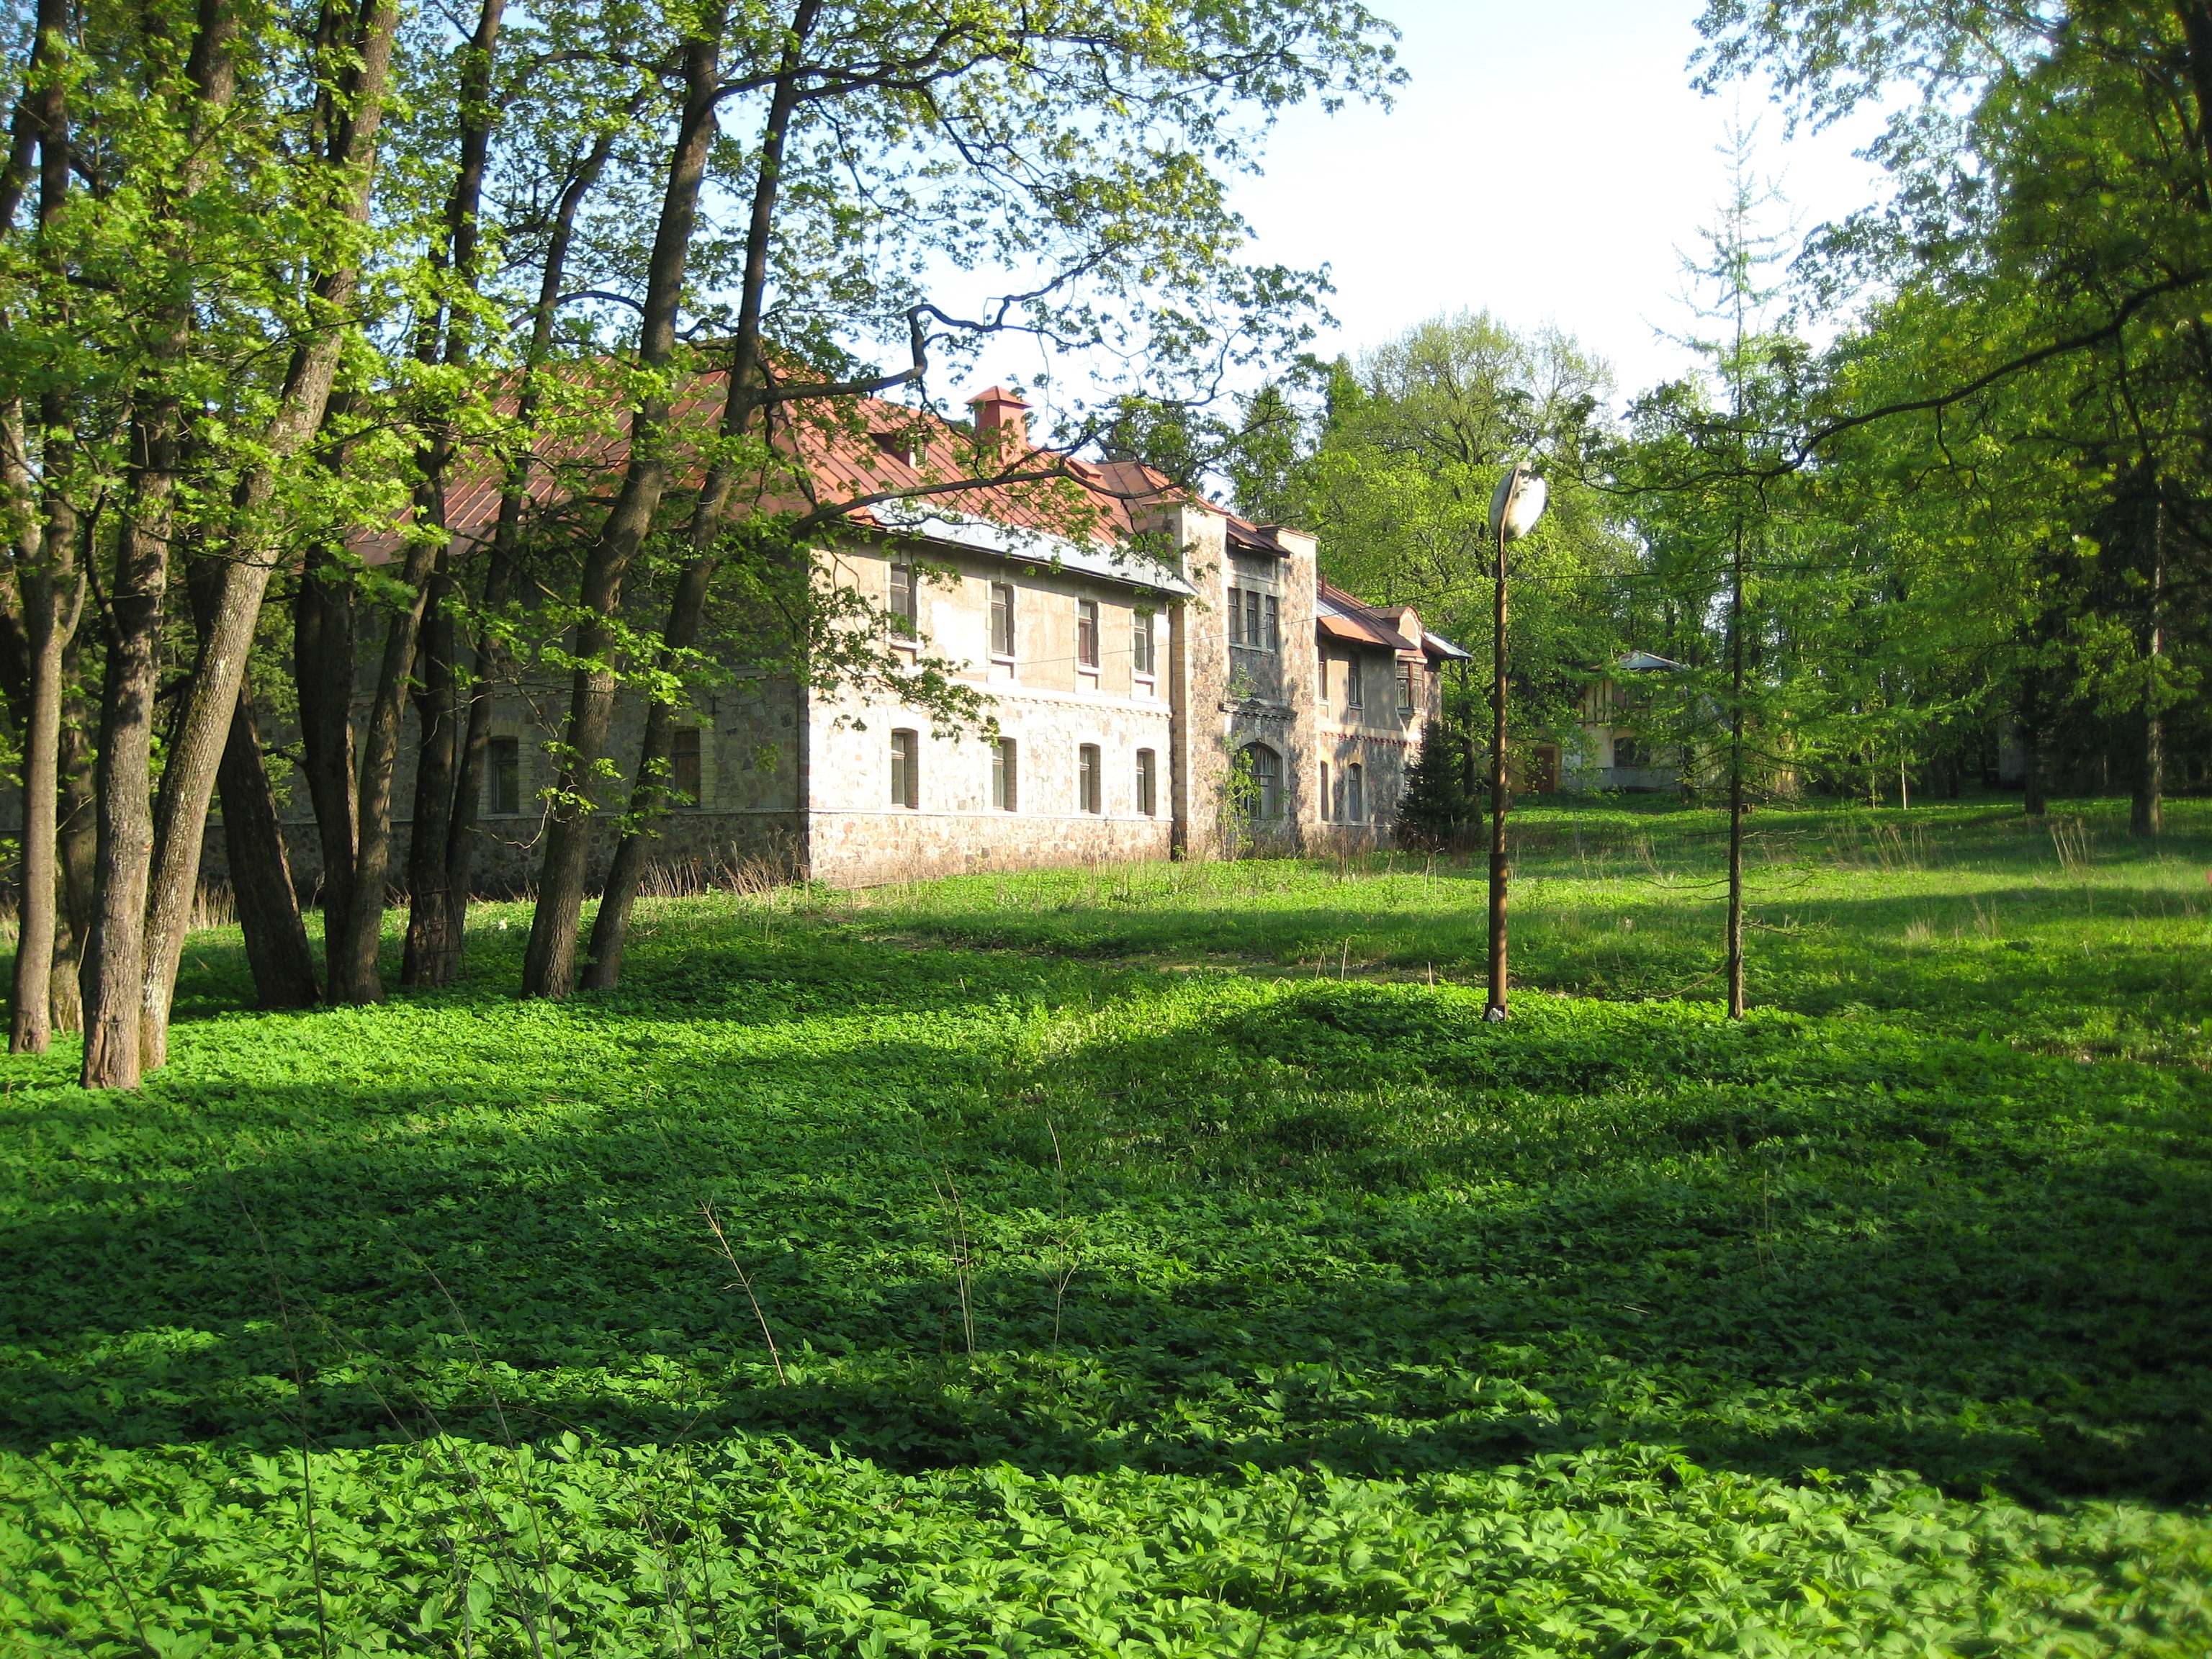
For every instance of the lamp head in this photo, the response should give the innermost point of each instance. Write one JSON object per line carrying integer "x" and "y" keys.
{"x": 1516, "y": 503}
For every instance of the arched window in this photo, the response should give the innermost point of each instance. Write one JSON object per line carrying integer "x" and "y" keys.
{"x": 1265, "y": 767}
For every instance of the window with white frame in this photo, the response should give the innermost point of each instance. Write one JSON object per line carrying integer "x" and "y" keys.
{"x": 1352, "y": 690}
{"x": 906, "y": 770}
{"x": 1005, "y": 783}
{"x": 1002, "y": 619}
{"x": 1086, "y": 633}
{"x": 906, "y": 601}
{"x": 1148, "y": 797}
{"x": 1141, "y": 656}
{"x": 1088, "y": 795}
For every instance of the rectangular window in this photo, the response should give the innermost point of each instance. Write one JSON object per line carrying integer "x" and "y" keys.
{"x": 1140, "y": 643}
{"x": 1324, "y": 676}
{"x": 1355, "y": 795}
{"x": 1086, "y": 778}
{"x": 1086, "y": 633}
{"x": 1002, "y": 619}
{"x": 1352, "y": 691}
{"x": 1324, "y": 789}
{"x": 1236, "y": 616}
{"x": 1406, "y": 687}
{"x": 684, "y": 765}
{"x": 906, "y": 602}
{"x": 906, "y": 770}
{"x": 1147, "y": 784}
{"x": 1275, "y": 624}
{"x": 1004, "y": 780}
{"x": 1253, "y": 636}
{"x": 506, "y": 775}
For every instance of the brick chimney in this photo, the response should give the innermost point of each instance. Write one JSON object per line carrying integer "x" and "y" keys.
{"x": 997, "y": 409}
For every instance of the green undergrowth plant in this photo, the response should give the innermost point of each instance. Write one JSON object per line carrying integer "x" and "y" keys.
{"x": 909, "y": 1273}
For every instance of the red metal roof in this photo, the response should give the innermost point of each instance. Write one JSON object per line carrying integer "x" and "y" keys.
{"x": 842, "y": 450}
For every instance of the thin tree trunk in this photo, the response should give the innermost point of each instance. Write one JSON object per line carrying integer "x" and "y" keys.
{"x": 277, "y": 950}
{"x": 204, "y": 725}
{"x": 261, "y": 873}
{"x": 47, "y": 576}
{"x": 1500, "y": 870}
{"x": 1735, "y": 782}
{"x": 49, "y": 615}
{"x": 322, "y": 670}
{"x": 2031, "y": 745}
{"x": 2146, "y": 812}
{"x": 350, "y": 948}
{"x": 434, "y": 920}
{"x": 610, "y": 927}
{"x": 78, "y": 843}
{"x": 549, "y": 963}
{"x": 500, "y": 570}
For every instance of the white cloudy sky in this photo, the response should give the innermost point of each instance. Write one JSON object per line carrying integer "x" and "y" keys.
{"x": 1573, "y": 124}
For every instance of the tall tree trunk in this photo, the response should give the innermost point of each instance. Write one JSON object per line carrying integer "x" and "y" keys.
{"x": 710, "y": 514}
{"x": 2034, "y": 778}
{"x": 78, "y": 843}
{"x": 433, "y": 920}
{"x": 2147, "y": 812}
{"x": 322, "y": 672}
{"x": 211, "y": 699}
{"x": 49, "y": 615}
{"x": 1500, "y": 870}
{"x": 276, "y": 951}
{"x": 116, "y": 966}
{"x": 1735, "y": 782}
{"x": 49, "y": 591}
{"x": 647, "y": 801}
{"x": 352, "y": 937}
{"x": 549, "y": 963}
{"x": 488, "y": 658}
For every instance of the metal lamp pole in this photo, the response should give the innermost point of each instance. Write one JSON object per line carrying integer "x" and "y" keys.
{"x": 1514, "y": 510}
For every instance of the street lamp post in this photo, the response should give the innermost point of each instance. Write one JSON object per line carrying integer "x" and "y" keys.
{"x": 1515, "y": 507}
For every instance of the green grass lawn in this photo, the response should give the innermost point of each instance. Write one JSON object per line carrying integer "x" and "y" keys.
{"x": 1166, "y": 1260}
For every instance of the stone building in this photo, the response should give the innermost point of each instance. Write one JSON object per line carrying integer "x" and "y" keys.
{"x": 1178, "y": 682}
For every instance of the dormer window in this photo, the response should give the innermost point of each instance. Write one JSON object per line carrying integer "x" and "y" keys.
{"x": 900, "y": 446}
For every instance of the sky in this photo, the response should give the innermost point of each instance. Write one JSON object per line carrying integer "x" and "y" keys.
{"x": 1549, "y": 163}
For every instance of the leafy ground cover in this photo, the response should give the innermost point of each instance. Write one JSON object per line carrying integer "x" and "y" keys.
{"x": 1164, "y": 1260}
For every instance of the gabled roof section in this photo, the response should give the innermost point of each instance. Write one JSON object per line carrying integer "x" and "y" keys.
{"x": 1046, "y": 509}
{"x": 1337, "y": 614}
{"x": 1643, "y": 662}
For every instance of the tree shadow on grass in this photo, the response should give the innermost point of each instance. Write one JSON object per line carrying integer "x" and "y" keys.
{"x": 1337, "y": 1224}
